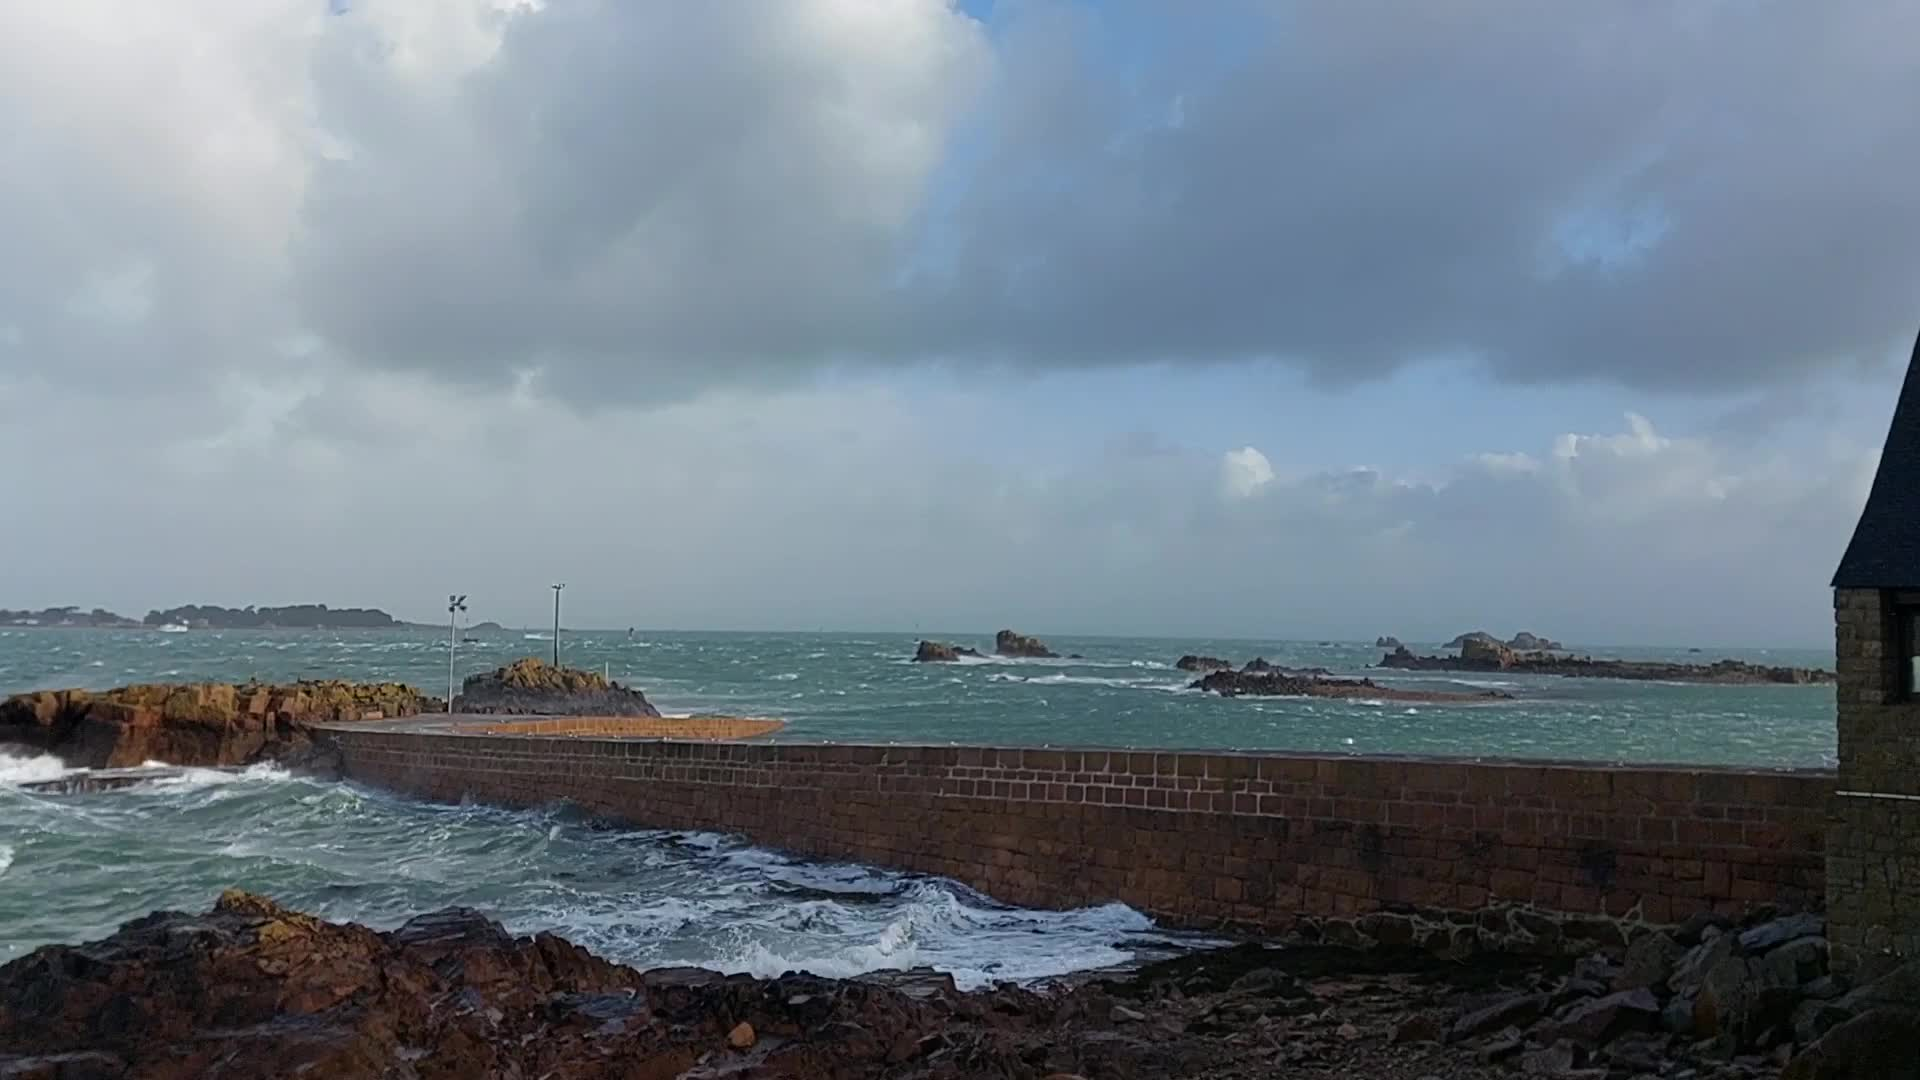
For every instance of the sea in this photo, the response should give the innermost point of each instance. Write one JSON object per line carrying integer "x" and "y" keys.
{"x": 75, "y": 866}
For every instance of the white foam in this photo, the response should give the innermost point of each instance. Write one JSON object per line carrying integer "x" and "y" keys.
{"x": 193, "y": 778}
{"x": 16, "y": 770}
{"x": 6, "y": 859}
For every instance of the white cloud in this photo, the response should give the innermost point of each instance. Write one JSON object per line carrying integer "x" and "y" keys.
{"x": 851, "y": 508}
{"x": 1244, "y": 471}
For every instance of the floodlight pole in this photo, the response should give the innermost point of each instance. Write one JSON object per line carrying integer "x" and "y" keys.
{"x": 556, "y": 623}
{"x": 455, "y": 605}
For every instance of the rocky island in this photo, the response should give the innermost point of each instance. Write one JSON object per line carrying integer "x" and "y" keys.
{"x": 1490, "y": 656}
{"x": 252, "y": 990}
{"x": 939, "y": 652}
{"x": 1258, "y": 678}
{"x": 533, "y": 687}
{"x": 1191, "y": 662}
{"x": 1009, "y": 643}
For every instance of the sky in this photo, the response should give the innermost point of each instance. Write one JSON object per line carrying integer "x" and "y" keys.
{"x": 1253, "y": 318}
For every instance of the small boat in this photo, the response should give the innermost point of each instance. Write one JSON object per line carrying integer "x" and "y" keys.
{"x": 173, "y": 628}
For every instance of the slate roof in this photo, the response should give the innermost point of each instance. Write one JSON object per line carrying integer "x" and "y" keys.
{"x": 1885, "y": 551}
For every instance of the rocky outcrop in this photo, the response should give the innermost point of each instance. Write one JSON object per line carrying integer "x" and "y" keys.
{"x": 533, "y": 687}
{"x": 208, "y": 724}
{"x": 1270, "y": 681}
{"x": 1191, "y": 662}
{"x": 1484, "y": 655}
{"x": 1386, "y": 641}
{"x": 252, "y": 990}
{"x": 1009, "y": 643}
{"x": 939, "y": 652}
{"x": 1524, "y": 641}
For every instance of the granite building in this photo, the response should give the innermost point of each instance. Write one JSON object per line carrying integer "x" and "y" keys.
{"x": 1873, "y": 849}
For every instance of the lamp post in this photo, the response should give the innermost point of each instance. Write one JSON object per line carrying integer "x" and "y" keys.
{"x": 556, "y": 623}
{"x": 455, "y": 605}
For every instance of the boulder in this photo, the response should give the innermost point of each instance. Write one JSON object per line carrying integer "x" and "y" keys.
{"x": 1880, "y": 1044}
{"x": 1387, "y": 641}
{"x": 1529, "y": 642}
{"x": 1191, "y": 662}
{"x": 1649, "y": 962}
{"x": 1473, "y": 635}
{"x": 1599, "y": 1020}
{"x": 939, "y": 652}
{"x": 1518, "y": 1010}
{"x": 533, "y": 687}
{"x": 1780, "y": 931}
{"x": 1009, "y": 643}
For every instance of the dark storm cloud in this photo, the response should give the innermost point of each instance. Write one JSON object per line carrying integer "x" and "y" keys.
{"x": 645, "y": 199}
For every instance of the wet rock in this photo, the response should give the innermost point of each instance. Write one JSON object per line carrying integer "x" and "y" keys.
{"x": 1501, "y": 1047}
{"x": 1120, "y": 1014}
{"x": 1780, "y": 931}
{"x": 1387, "y": 641}
{"x": 1191, "y": 662}
{"x": 1009, "y": 643}
{"x": 939, "y": 652}
{"x": 1517, "y": 1011}
{"x": 1649, "y": 962}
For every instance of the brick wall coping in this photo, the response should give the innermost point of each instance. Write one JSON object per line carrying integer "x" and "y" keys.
{"x": 500, "y": 729}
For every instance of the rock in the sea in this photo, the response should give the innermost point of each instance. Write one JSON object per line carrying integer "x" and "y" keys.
{"x": 1266, "y": 680}
{"x": 1190, "y": 662}
{"x": 939, "y": 652}
{"x": 1525, "y": 641}
{"x": 1386, "y": 641}
{"x": 1472, "y": 635}
{"x": 1009, "y": 643}
{"x": 195, "y": 723}
{"x": 534, "y": 687}
{"x": 1483, "y": 652}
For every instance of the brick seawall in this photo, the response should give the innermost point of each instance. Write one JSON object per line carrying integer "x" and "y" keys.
{"x": 1251, "y": 841}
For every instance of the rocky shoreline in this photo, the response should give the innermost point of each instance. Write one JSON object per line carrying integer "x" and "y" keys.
{"x": 202, "y": 724}
{"x": 1480, "y": 655}
{"x": 227, "y": 724}
{"x": 251, "y": 989}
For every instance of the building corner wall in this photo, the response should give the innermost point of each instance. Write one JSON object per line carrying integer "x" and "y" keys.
{"x": 1873, "y": 842}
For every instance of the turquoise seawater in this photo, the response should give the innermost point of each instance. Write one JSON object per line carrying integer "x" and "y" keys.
{"x": 72, "y": 867}
{"x": 1125, "y": 692}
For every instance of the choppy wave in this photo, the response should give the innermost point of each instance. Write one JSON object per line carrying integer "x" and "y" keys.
{"x": 16, "y": 769}
{"x": 640, "y": 897}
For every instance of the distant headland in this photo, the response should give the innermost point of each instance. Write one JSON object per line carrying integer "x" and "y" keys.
{"x": 215, "y": 617}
